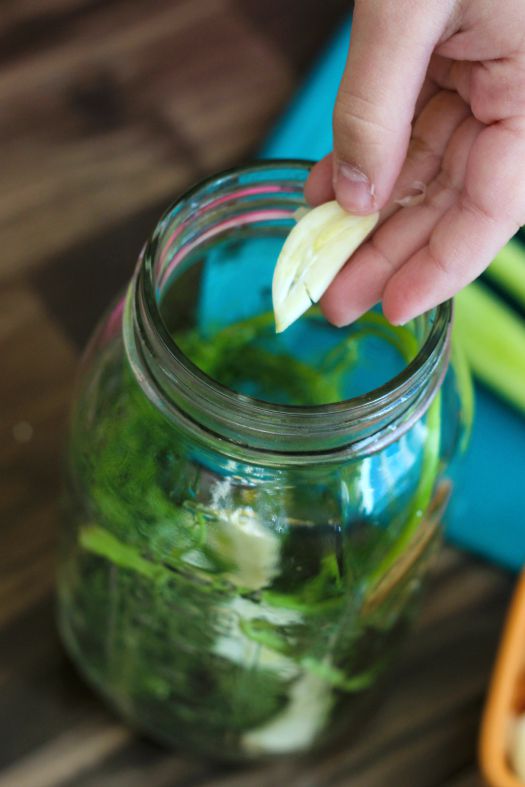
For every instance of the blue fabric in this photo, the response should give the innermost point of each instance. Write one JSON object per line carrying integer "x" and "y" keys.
{"x": 305, "y": 131}
{"x": 487, "y": 514}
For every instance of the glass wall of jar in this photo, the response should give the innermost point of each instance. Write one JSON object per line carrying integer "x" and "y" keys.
{"x": 249, "y": 516}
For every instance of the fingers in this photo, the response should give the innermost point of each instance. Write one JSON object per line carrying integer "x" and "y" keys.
{"x": 433, "y": 130}
{"x": 495, "y": 90}
{"x": 429, "y": 89}
{"x": 361, "y": 282}
{"x": 389, "y": 52}
{"x": 435, "y": 124}
{"x": 319, "y": 188}
{"x": 486, "y": 214}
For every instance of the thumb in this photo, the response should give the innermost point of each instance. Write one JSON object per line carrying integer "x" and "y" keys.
{"x": 391, "y": 45}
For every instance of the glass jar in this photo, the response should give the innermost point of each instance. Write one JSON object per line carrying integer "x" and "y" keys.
{"x": 249, "y": 516}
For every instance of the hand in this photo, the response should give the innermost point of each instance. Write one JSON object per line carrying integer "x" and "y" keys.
{"x": 433, "y": 93}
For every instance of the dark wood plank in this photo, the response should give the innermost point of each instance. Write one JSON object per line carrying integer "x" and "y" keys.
{"x": 470, "y": 777}
{"x": 36, "y": 385}
{"x": 122, "y": 114}
{"x": 289, "y": 25}
{"x": 101, "y": 265}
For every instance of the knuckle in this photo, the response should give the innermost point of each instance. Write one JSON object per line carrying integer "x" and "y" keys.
{"x": 381, "y": 255}
{"x": 446, "y": 181}
{"x": 492, "y": 214}
{"x": 354, "y": 114}
{"x": 467, "y": 204}
{"x": 421, "y": 150}
{"x": 443, "y": 193}
{"x": 439, "y": 262}
{"x": 497, "y": 90}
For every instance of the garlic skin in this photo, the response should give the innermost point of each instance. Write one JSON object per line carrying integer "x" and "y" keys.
{"x": 312, "y": 255}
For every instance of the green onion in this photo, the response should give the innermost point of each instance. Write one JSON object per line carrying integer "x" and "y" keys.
{"x": 492, "y": 337}
{"x": 508, "y": 269}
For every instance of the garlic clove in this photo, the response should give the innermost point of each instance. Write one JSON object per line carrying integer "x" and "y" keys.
{"x": 312, "y": 255}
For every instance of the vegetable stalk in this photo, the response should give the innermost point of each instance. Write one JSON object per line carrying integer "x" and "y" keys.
{"x": 493, "y": 340}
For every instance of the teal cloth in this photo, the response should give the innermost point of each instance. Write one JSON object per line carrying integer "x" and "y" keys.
{"x": 487, "y": 513}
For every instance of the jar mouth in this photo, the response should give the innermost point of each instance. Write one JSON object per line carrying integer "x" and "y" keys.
{"x": 247, "y": 416}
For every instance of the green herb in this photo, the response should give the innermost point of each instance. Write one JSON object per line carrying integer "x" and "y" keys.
{"x": 237, "y": 353}
{"x": 179, "y": 598}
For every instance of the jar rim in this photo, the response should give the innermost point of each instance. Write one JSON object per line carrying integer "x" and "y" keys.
{"x": 268, "y": 416}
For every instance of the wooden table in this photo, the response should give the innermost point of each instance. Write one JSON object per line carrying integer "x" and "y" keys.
{"x": 107, "y": 110}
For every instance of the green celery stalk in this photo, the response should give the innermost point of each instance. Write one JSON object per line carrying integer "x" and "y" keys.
{"x": 465, "y": 390}
{"x": 101, "y": 542}
{"x": 508, "y": 269}
{"x": 493, "y": 340}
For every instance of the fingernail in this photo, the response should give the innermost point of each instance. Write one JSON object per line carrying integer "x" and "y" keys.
{"x": 353, "y": 189}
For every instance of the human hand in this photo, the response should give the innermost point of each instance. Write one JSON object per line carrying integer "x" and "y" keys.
{"x": 433, "y": 93}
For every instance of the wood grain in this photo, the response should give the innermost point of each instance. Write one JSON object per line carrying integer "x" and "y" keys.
{"x": 109, "y": 110}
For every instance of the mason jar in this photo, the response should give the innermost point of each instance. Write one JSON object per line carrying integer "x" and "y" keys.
{"x": 249, "y": 517}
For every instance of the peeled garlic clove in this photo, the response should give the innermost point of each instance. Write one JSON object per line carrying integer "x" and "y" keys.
{"x": 248, "y": 546}
{"x": 301, "y": 212}
{"x": 312, "y": 255}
